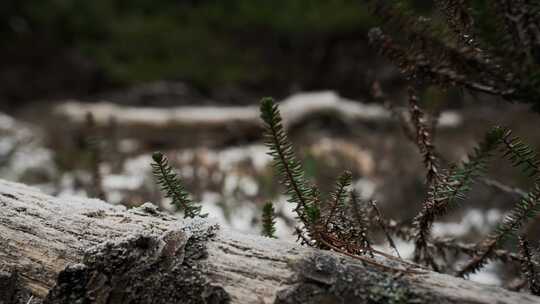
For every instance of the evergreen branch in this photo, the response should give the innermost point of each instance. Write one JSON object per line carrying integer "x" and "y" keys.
{"x": 288, "y": 167}
{"x": 379, "y": 219}
{"x": 423, "y": 137}
{"x": 460, "y": 179}
{"x": 172, "y": 187}
{"x": 446, "y": 190}
{"x": 433, "y": 62}
{"x": 529, "y": 266}
{"x": 520, "y": 154}
{"x": 362, "y": 222}
{"x": 338, "y": 196}
{"x": 459, "y": 20}
{"x": 527, "y": 208}
{"x": 472, "y": 249}
{"x": 269, "y": 221}
{"x": 424, "y": 53}
{"x": 528, "y": 269}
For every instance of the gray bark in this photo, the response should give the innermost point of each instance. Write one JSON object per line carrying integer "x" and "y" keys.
{"x": 74, "y": 250}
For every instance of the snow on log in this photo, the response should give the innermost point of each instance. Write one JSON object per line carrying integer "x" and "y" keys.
{"x": 78, "y": 250}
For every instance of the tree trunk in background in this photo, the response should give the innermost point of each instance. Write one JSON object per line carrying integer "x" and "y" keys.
{"x": 76, "y": 250}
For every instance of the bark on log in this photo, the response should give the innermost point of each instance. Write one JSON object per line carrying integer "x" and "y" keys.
{"x": 220, "y": 125}
{"x": 74, "y": 250}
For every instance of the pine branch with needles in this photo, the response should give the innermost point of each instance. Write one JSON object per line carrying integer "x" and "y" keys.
{"x": 338, "y": 197}
{"x": 528, "y": 267}
{"x": 290, "y": 170}
{"x": 460, "y": 53}
{"x": 269, "y": 220}
{"x": 452, "y": 187}
{"x": 172, "y": 187}
{"x": 524, "y": 210}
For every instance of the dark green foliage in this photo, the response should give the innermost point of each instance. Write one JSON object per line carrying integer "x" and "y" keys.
{"x": 445, "y": 191}
{"x": 172, "y": 187}
{"x": 459, "y": 181}
{"x": 520, "y": 154}
{"x": 269, "y": 220}
{"x": 458, "y": 53}
{"x": 340, "y": 223}
{"x": 338, "y": 197}
{"x": 461, "y": 178}
{"x": 525, "y": 158}
{"x": 524, "y": 210}
{"x": 362, "y": 220}
{"x": 199, "y": 41}
{"x": 288, "y": 167}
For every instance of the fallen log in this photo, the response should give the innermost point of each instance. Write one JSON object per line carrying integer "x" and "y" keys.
{"x": 216, "y": 126}
{"x": 76, "y": 250}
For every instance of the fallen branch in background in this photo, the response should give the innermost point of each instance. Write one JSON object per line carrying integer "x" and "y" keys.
{"x": 218, "y": 125}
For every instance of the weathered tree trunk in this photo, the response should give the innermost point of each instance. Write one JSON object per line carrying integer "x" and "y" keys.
{"x": 73, "y": 250}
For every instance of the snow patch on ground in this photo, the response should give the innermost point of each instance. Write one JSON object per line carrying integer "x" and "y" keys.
{"x": 487, "y": 275}
{"x": 474, "y": 220}
{"x": 22, "y": 154}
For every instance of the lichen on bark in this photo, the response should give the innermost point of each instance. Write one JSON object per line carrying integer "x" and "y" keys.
{"x": 323, "y": 278}
{"x": 149, "y": 267}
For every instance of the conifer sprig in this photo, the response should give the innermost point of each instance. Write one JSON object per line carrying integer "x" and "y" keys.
{"x": 269, "y": 220}
{"x": 459, "y": 20}
{"x": 289, "y": 168}
{"x": 423, "y": 138}
{"x": 528, "y": 267}
{"x": 362, "y": 221}
{"x": 172, "y": 187}
{"x": 520, "y": 154}
{"x": 461, "y": 178}
{"x": 526, "y": 209}
{"x": 379, "y": 219}
{"x": 338, "y": 197}
{"x": 428, "y": 53}
{"x": 445, "y": 191}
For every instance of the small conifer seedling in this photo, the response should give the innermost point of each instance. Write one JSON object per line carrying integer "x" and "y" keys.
{"x": 289, "y": 168}
{"x": 269, "y": 220}
{"x": 172, "y": 187}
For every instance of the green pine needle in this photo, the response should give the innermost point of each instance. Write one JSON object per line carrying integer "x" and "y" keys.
{"x": 526, "y": 209}
{"x": 520, "y": 154}
{"x": 268, "y": 221}
{"x": 339, "y": 196}
{"x": 286, "y": 164}
{"x": 461, "y": 179}
{"x": 528, "y": 268}
{"x": 448, "y": 190}
{"x": 172, "y": 187}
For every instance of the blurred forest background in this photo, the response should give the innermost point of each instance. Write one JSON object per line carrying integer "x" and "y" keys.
{"x": 230, "y": 51}
{"x": 59, "y": 58}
